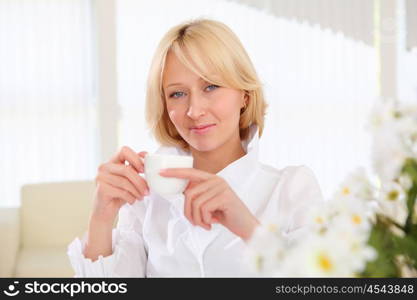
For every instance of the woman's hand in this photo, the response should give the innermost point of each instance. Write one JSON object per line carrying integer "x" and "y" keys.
{"x": 118, "y": 183}
{"x": 209, "y": 199}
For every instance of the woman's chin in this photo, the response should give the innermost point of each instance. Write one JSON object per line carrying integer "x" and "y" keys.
{"x": 203, "y": 147}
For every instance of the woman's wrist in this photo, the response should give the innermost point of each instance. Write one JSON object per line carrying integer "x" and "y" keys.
{"x": 251, "y": 227}
{"x": 98, "y": 221}
{"x": 99, "y": 238}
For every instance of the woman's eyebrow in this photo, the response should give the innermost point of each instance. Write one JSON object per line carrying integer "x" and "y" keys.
{"x": 180, "y": 83}
{"x": 172, "y": 84}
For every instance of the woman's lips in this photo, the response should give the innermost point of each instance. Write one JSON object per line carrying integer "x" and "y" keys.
{"x": 203, "y": 130}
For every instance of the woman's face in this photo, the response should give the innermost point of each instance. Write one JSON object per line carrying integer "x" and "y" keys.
{"x": 191, "y": 102}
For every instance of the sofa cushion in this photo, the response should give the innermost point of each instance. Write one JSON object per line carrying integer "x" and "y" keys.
{"x": 9, "y": 233}
{"x": 53, "y": 214}
{"x": 43, "y": 262}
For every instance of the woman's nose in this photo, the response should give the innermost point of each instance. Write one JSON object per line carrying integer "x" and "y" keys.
{"x": 196, "y": 108}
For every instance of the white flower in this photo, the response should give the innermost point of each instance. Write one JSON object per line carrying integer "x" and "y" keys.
{"x": 266, "y": 249}
{"x": 405, "y": 182}
{"x": 406, "y": 128}
{"x": 355, "y": 237}
{"x": 394, "y": 129}
{"x": 318, "y": 256}
{"x": 355, "y": 221}
{"x": 319, "y": 217}
{"x": 351, "y": 205}
{"x": 357, "y": 184}
{"x": 389, "y": 154}
{"x": 334, "y": 246}
{"x": 383, "y": 111}
{"x": 392, "y": 202}
{"x": 341, "y": 251}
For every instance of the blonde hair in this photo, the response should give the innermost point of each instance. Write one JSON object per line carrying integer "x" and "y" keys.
{"x": 210, "y": 49}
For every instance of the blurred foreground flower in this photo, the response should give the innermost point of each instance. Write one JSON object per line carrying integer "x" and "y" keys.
{"x": 369, "y": 227}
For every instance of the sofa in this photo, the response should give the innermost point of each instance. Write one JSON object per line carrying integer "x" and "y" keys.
{"x": 35, "y": 235}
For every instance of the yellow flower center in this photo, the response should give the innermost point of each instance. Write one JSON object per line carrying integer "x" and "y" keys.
{"x": 393, "y": 195}
{"x": 319, "y": 220}
{"x": 259, "y": 262}
{"x": 272, "y": 227}
{"x": 324, "y": 262}
{"x": 356, "y": 219}
{"x": 346, "y": 191}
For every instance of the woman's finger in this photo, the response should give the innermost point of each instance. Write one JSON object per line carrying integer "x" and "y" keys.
{"x": 119, "y": 182}
{"x": 191, "y": 192}
{"x": 199, "y": 201}
{"x": 127, "y": 154}
{"x": 186, "y": 173}
{"x": 210, "y": 211}
{"x": 116, "y": 193}
{"x": 128, "y": 171}
{"x": 142, "y": 155}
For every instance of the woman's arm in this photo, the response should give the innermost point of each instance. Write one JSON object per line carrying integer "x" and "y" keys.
{"x": 99, "y": 239}
{"x": 119, "y": 190}
{"x": 118, "y": 252}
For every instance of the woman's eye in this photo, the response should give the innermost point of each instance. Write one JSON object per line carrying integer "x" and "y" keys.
{"x": 212, "y": 87}
{"x": 181, "y": 94}
{"x": 176, "y": 95}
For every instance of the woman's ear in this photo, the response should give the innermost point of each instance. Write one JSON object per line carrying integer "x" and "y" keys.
{"x": 246, "y": 99}
{"x": 245, "y": 103}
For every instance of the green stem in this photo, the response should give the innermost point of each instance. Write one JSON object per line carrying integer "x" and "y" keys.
{"x": 410, "y": 168}
{"x": 387, "y": 221}
{"x": 411, "y": 196}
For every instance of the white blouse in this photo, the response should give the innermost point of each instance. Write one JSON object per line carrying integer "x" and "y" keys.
{"x": 154, "y": 239}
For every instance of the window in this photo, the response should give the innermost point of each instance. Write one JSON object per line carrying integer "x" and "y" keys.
{"x": 47, "y": 95}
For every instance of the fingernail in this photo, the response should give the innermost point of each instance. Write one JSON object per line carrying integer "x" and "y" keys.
{"x": 147, "y": 192}
{"x": 162, "y": 171}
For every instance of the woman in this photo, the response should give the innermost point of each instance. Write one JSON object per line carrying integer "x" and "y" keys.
{"x": 203, "y": 99}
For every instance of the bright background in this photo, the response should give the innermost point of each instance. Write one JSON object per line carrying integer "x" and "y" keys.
{"x": 73, "y": 72}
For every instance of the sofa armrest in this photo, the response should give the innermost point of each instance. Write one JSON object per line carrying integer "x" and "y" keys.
{"x": 10, "y": 239}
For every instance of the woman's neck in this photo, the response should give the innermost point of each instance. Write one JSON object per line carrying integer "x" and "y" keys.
{"x": 216, "y": 160}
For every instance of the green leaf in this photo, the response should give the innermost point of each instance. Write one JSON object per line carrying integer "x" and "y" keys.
{"x": 413, "y": 231}
{"x": 407, "y": 246}
{"x": 410, "y": 167}
{"x": 384, "y": 265}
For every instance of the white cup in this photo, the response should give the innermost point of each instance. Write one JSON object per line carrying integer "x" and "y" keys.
{"x": 166, "y": 186}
